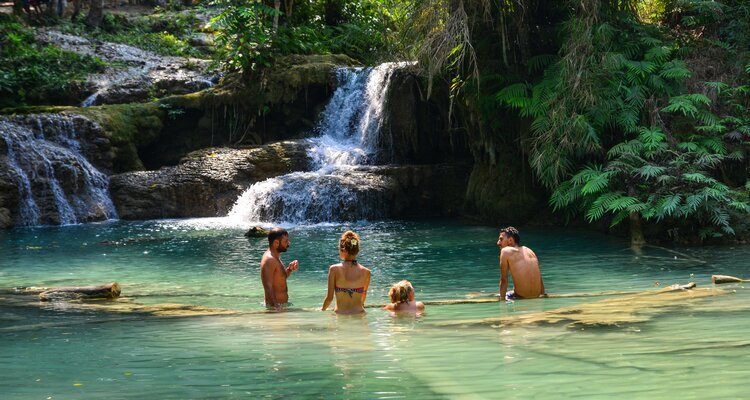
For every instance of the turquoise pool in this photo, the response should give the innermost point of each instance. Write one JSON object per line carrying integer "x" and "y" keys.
{"x": 698, "y": 349}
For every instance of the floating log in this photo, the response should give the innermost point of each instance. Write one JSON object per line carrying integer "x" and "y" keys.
{"x": 638, "y": 307}
{"x": 719, "y": 279}
{"x": 108, "y": 291}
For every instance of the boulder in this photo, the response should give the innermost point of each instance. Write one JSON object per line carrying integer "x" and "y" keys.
{"x": 256, "y": 232}
{"x": 5, "y": 219}
{"x": 205, "y": 183}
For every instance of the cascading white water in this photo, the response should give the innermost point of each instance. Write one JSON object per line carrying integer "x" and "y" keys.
{"x": 56, "y": 183}
{"x": 337, "y": 188}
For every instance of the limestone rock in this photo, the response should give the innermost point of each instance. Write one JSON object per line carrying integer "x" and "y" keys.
{"x": 424, "y": 190}
{"x": 205, "y": 183}
{"x": 256, "y": 232}
{"x": 5, "y": 220}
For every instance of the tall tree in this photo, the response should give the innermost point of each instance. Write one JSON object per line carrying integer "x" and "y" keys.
{"x": 96, "y": 13}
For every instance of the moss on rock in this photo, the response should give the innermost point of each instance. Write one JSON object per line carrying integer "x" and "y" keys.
{"x": 129, "y": 126}
{"x": 502, "y": 193}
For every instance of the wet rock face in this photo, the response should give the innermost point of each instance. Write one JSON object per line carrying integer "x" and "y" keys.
{"x": 205, "y": 183}
{"x": 504, "y": 192}
{"x": 45, "y": 176}
{"x": 435, "y": 190}
{"x": 418, "y": 130}
{"x": 8, "y": 191}
{"x": 90, "y": 139}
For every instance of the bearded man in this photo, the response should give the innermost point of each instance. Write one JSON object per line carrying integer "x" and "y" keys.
{"x": 273, "y": 273}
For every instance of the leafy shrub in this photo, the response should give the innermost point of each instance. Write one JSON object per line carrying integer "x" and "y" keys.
{"x": 165, "y": 34}
{"x": 30, "y": 71}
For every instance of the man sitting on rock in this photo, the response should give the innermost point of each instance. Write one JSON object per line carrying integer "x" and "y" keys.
{"x": 522, "y": 264}
{"x": 273, "y": 273}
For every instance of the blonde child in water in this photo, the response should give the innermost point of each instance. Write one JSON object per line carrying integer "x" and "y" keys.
{"x": 402, "y": 298}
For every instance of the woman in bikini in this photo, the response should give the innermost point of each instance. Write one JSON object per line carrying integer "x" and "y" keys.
{"x": 349, "y": 279}
{"x": 402, "y": 298}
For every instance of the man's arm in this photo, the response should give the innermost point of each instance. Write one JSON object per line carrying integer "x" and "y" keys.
{"x": 504, "y": 267}
{"x": 266, "y": 276}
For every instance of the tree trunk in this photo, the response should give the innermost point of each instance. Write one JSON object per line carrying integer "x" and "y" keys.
{"x": 636, "y": 234}
{"x": 333, "y": 11}
{"x": 96, "y": 13}
{"x": 76, "y": 9}
{"x": 17, "y": 7}
{"x": 288, "y": 6}
{"x": 51, "y": 10}
{"x": 277, "y": 7}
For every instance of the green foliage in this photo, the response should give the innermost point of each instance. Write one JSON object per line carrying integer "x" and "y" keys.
{"x": 162, "y": 33}
{"x": 247, "y": 40}
{"x": 31, "y": 72}
{"x": 615, "y": 133}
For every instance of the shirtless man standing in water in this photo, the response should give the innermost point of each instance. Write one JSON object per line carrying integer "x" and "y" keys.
{"x": 273, "y": 274}
{"x": 522, "y": 264}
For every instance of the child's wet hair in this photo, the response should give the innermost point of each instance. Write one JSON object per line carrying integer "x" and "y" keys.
{"x": 399, "y": 292}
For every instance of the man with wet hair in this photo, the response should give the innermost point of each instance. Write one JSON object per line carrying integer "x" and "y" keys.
{"x": 522, "y": 264}
{"x": 273, "y": 273}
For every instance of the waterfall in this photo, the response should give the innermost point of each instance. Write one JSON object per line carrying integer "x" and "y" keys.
{"x": 56, "y": 183}
{"x": 338, "y": 186}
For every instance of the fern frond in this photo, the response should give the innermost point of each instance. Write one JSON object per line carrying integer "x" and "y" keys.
{"x": 682, "y": 105}
{"x": 658, "y": 53}
{"x": 675, "y": 69}
{"x": 650, "y": 171}
{"x": 668, "y": 205}
{"x": 542, "y": 61}
{"x": 514, "y": 96}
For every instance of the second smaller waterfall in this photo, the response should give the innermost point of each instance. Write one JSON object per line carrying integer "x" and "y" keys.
{"x": 338, "y": 187}
{"x": 56, "y": 183}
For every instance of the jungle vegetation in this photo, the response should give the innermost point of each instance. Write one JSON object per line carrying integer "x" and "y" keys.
{"x": 627, "y": 110}
{"x": 634, "y": 113}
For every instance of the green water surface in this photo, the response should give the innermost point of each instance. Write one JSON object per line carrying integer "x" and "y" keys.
{"x": 697, "y": 349}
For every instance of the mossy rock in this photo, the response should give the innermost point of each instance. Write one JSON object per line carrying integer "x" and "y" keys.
{"x": 256, "y": 232}
{"x": 502, "y": 193}
{"x": 5, "y": 219}
{"x": 129, "y": 127}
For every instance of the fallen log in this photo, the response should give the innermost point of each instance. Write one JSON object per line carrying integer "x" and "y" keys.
{"x": 719, "y": 279}
{"x": 108, "y": 291}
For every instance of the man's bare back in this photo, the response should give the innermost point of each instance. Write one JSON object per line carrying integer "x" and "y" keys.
{"x": 522, "y": 264}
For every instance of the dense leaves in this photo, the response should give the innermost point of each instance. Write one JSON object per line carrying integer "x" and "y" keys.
{"x": 29, "y": 70}
{"x": 615, "y": 131}
{"x": 252, "y": 33}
